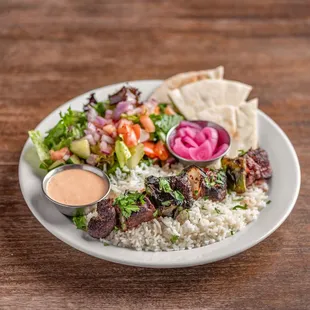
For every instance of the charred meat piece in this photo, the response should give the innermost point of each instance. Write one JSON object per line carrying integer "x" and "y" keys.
{"x": 210, "y": 182}
{"x": 236, "y": 173}
{"x": 133, "y": 208}
{"x": 215, "y": 184}
{"x": 144, "y": 214}
{"x": 102, "y": 225}
{"x": 169, "y": 193}
{"x": 196, "y": 178}
{"x": 258, "y": 166}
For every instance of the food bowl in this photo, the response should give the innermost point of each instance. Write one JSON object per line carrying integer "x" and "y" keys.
{"x": 72, "y": 210}
{"x": 200, "y": 163}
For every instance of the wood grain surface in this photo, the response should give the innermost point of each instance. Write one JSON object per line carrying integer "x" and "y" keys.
{"x": 51, "y": 51}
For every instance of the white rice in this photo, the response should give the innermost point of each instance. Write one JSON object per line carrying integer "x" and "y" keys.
{"x": 205, "y": 223}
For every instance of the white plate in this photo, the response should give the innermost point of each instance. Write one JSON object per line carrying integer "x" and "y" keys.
{"x": 284, "y": 190}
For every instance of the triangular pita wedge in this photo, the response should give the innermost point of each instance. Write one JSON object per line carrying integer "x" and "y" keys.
{"x": 181, "y": 79}
{"x": 246, "y": 134}
{"x": 207, "y": 94}
{"x": 222, "y": 115}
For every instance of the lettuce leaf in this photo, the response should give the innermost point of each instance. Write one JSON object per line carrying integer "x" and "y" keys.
{"x": 163, "y": 123}
{"x": 80, "y": 222}
{"x": 70, "y": 127}
{"x": 38, "y": 142}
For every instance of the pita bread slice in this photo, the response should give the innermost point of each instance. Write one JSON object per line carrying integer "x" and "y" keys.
{"x": 207, "y": 94}
{"x": 181, "y": 79}
{"x": 246, "y": 134}
{"x": 222, "y": 115}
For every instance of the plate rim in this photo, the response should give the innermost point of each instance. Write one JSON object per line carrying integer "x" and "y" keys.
{"x": 152, "y": 264}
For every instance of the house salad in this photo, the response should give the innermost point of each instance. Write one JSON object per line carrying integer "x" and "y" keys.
{"x": 120, "y": 131}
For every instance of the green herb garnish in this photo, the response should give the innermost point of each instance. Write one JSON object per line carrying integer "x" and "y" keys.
{"x": 163, "y": 123}
{"x": 116, "y": 228}
{"x": 206, "y": 198}
{"x": 242, "y": 152}
{"x": 155, "y": 214}
{"x": 106, "y": 244}
{"x": 128, "y": 203}
{"x": 240, "y": 207}
{"x": 178, "y": 196}
{"x": 268, "y": 202}
{"x": 217, "y": 210}
{"x": 167, "y": 203}
{"x": 238, "y": 199}
{"x": 80, "y": 222}
{"x": 174, "y": 238}
{"x": 232, "y": 232}
{"x": 164, "y": 185}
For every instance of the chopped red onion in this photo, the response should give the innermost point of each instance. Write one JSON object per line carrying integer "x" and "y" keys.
{"x": 100, "y": 121}
{"x": 105, "y": 147}
{"x": 90, "y": 139}
{"x": 91, "y": 114}
{"x": 91, "y": 160}
{"x": 66, "y": 157}
{"x": 107, "y": 139}
{"x": 91, "y": 127}
{"x": 108, "y": 114}
{"x": 144, "y": 135}
{"x": 121, "y": 108}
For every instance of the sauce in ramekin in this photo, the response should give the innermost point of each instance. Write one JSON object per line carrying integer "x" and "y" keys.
{"x": 76, "y": 187}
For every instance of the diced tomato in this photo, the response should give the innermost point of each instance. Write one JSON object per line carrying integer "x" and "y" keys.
{"x": 130, "y": 138}
{"x": 157, "y": 110}
{"x": 161, "y": 151}
{"x": 137, "y": 129}
{"x": 149, "y": 149}
{"x": 169, "y": 111}
{"x": 109, "y": 129}
{"x": 57, "y": 155}
{"x": 147, "y": 123}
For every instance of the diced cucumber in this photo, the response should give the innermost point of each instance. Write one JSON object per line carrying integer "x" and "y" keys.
{"x": 137, "y": 154}
{"x": 81, "y": 148}
{"x": 56, "y": 164}
{"x": 122, "y": 153}
{"x": 73, "y": 160}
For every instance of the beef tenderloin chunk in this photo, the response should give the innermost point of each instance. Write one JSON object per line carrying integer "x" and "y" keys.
{"x": 145, "y": 214}
{"x": 102, "y": 225}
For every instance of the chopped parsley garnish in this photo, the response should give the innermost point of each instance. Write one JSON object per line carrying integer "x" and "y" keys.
{"x": 196, "y": 192}
{"x": 106, "y": 244}
{"x": 240, "y": 207}
{"x": 116, "y": 228}
{"x": 268, "y": 202}
{"x": 80, "y": 222}
{"x": 164, "y": 185}
{"x": 242, "y": 152}
{"x": 128, "y": 203}
{"x": 238, "y": 199}
{"x": 155, "y": 214}
{"x": 174, "y": 238}
{"x": 162, "y": 107}
{"x": 217, "y": 210}
{"x": 167, "y": 203}
{"x": 178, "y": 196}
{"x": 232, "y": 232}
{"x": 205, "y": 197}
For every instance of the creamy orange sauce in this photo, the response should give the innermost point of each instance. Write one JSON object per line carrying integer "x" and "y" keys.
{"x": 76, "y": 187}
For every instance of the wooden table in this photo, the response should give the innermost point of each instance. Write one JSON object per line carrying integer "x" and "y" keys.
{"x": 52, "y": 51}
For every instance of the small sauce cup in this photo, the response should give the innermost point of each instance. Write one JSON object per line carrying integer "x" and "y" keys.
{"x": 72, "y": 210}
{"x": 200, "y": 163}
